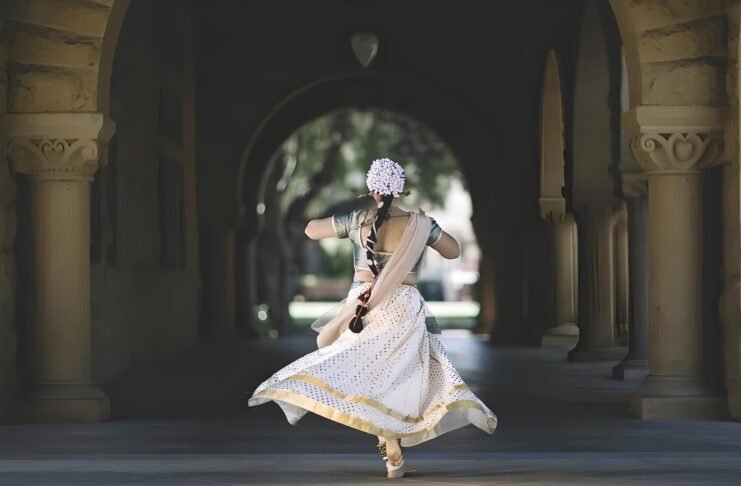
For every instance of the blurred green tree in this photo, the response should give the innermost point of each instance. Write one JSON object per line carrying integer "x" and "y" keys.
{"x": 361, "y": 137}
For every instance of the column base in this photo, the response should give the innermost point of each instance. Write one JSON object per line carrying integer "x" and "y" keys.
{"x": 632, "y": 368}
{"x": 69, "y": 403}
{"x": 600, "y": 354}
{"x": 677, "y": 397}
{"x": 565, "y": 334}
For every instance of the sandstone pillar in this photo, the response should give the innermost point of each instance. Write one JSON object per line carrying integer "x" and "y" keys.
{"x": 635, "y": 363}
{"x": 60, "y": 153}
{"x": 620, "y": 237}
{"x": 730, "y": 302}
{"x": 673, "y": 144}
{"x": 596, "y": 287}
{"x": 565, "y": 282}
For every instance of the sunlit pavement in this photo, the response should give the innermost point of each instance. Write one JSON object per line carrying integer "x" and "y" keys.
{"x": 186, "y": 422}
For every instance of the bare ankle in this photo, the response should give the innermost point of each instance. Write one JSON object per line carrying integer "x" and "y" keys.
{"x": 394, "y": 450}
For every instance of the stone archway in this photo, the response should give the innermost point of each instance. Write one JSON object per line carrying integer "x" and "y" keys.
{"x": 675, "y": 51}
{"x": 353, "y": 90}
{"x": 342, "y": 91}
{"x": 62, "y": 55}
{"x": 553, "y": 206}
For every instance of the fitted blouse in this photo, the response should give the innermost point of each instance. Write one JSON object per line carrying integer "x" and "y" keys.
{"x": 349, "y": 226}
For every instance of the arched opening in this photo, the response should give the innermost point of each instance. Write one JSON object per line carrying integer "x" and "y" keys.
{"x": 308, "y": 103}
{"x": 318, "y": 171}
{"x": 552, "y": 203}
{"x": 594, "y": 185}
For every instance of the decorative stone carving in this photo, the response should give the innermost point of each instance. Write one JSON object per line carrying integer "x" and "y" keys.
{"x": 676, "y": 138}
{"x": 58, "y": 146}
{"x": 677, "y": 151}
{"x": 55, "y": 159}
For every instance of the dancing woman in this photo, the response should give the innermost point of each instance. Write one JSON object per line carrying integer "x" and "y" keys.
{"x": 380, "y": 368}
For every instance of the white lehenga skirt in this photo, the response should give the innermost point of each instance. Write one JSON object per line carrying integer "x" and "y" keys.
{"x": 393, "y": 379}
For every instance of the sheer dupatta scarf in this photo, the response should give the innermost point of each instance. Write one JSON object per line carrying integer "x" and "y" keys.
{"x": 411, "y": 245}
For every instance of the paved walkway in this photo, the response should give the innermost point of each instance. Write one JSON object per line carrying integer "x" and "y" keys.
{"x": 186, "y": 423}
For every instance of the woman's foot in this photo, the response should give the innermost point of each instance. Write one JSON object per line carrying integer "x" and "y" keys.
{"x": 393, "y": 451}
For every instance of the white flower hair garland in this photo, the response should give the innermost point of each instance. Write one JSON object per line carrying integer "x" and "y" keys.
{"x": 385, "y": 177}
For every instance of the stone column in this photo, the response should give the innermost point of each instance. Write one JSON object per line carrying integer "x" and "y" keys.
{"x": 596, "y": 287}
{"x": 60, "y": 153}
{"x": 565, "y": 282}
{"x": 635, "y": 363}
{"x": 673, "y": 144}
{"x": 620, "y": 237}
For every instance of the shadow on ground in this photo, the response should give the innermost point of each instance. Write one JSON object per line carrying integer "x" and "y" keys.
{"x": 197, "y": 404}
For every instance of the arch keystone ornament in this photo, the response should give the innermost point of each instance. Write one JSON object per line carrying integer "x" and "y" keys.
{"x": 673, "y": 144}
{"x": 61, "y": 152}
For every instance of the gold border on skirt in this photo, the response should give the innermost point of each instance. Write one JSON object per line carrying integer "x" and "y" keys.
{"x": 371, "y": 402}
{"x": 361, "y": 424}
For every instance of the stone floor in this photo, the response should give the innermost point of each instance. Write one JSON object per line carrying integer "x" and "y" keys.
{"x": 185, "y": 422}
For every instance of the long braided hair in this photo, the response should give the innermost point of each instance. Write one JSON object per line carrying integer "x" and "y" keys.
{"x": 356, "y": 325}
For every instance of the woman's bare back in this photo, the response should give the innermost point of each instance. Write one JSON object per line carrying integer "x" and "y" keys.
{"x": 389, "y": 235}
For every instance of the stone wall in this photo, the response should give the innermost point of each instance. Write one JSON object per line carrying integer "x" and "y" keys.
{"x": 145, "y": 282}
{"x": 676, "y": 51}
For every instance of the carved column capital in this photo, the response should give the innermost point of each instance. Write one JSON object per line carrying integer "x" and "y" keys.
{"x": 58, "y": 146}
{"x": 676, "y": 138}
{"x": 552, "y": 208}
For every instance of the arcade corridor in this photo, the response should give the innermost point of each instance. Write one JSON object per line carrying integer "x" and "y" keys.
{"x": 143, "y": 148}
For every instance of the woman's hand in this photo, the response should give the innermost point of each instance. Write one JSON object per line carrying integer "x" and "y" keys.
{"x": 317, "y": 229}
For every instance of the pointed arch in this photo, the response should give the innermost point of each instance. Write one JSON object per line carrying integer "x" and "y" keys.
{"x": 552, "y": 142}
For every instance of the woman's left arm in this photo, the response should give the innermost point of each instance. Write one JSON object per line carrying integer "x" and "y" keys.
{"x": 442, "y": 242}
{"x": 318, "y": 229}
{"x": 447, "y": 246}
